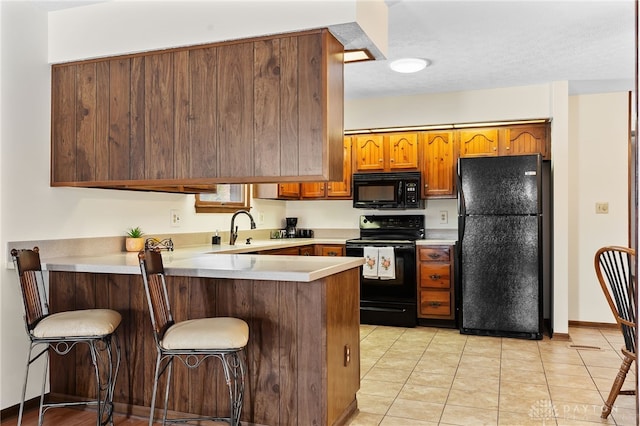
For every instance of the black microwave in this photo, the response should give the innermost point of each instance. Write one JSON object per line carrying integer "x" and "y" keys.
{"x": 395, "y": 190}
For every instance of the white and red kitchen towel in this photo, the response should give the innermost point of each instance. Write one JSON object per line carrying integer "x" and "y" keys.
{"x": 379, "y": 262}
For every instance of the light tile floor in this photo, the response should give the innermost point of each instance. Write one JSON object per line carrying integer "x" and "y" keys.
{"x": 435, "y": 376}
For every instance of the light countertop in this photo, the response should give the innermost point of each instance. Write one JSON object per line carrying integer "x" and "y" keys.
{"x": 223, "y": 261}
{"x": 237, "y": 261}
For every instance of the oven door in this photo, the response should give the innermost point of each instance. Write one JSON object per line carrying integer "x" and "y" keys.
{"x": 391, "y": 301}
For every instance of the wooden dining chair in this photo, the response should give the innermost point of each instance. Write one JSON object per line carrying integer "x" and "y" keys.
{"x": 61, "y": 332}
{"x": 615, "y": 270}
{"x": 192, "y": 341}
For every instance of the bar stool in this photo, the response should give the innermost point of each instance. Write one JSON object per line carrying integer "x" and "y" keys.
{"x": 192, "y": 341}
{"x": 61, "y": 332}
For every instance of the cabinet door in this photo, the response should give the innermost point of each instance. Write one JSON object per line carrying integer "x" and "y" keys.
{"x": 288, "y": 190}
{"x": 478, "y": 142}
{"x": 342, "y": 189}
{"x": 403, "y": 151}
{"x": 528, "y": 139}
{"x": 235, "y": 107}
{"x": 198, "y": 115}
{"x": 369, "y": 153}
{"x": 92, "y": 114}
{"x": 439, "y": 164}
{"x": 312, "y": 189}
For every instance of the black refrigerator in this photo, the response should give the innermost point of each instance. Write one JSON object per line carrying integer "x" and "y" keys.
{"x": 504, "y": 240}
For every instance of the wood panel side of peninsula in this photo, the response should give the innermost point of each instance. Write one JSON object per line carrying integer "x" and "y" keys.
{"x": 303, "y": 355}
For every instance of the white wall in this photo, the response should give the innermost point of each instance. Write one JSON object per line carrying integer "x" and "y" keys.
{"x": 601, "y": 154}
{"x": 24, "y": 103}
{"x": 111, "y": 28}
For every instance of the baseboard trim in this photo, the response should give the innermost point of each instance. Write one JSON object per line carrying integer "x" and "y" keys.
{"x": 564, "y": 337}
{"x": 588, "y": 324}
{"x": 9, "y": 412}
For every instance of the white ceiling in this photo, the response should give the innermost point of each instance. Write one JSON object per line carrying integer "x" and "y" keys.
{"x": 480, "y": 44}
{"x": 489, "y": 44}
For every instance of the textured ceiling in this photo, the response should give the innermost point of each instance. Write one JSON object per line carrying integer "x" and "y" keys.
{"x": 490, "y": 44}
{"x": 484, "y": 44}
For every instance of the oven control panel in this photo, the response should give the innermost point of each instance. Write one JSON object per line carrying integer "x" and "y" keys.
{"x": 392, "y": 222}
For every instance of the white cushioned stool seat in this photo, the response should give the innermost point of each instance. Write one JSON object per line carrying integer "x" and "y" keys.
{"x": 207, "y": 333}
{"x": 81, "y": 323}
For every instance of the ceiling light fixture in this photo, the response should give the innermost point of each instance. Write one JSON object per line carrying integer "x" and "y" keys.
{"x": 358, "y": 55}
{"x": 408, "y": 65}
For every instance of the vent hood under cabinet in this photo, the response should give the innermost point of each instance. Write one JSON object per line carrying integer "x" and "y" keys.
{"x": 255, "y": 110}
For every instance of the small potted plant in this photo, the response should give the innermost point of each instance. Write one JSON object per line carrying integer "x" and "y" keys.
{"x": 134, "y": 240}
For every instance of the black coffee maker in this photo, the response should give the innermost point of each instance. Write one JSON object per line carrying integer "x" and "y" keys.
{"x": 291, "y": 227}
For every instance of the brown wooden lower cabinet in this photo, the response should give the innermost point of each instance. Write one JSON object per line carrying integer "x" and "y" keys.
{"x": 303, "y": 355}
{"x": 436, "y": 290}
{"x": 309, "y": 250}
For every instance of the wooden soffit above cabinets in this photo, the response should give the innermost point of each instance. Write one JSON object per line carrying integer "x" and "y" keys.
{"x": 264, "y": 109}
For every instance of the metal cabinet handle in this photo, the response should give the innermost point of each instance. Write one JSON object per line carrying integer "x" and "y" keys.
{"x": 434, "y": 255}
{"x": 379, "y": 160}
{"x": 435, "y": 277}
{"x": 392, "y": 160}
{"x": 332, "y": 253}
{"x": 435, "y": 304}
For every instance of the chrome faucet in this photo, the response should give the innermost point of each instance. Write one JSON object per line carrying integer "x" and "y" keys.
{"x": 233, "y": 234}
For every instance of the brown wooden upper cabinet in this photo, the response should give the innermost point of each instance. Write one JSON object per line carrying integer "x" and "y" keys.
{"x": 337, "y": 189}
{"x": 287, "y": 190}
{"x": 526, "y": 139}
{"x": 517, "y": 139}
{"x": 312, "y": 190}
{"x": 481, "y": 142}
{"x": 265, "y": 109}
{"x": 386, "y": 152}
{"x": 439, "y": 164}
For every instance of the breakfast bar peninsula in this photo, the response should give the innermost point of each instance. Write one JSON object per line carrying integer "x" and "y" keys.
{"x": 303, "y": 355}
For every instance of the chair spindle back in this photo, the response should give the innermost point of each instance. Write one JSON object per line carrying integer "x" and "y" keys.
{"x": 156, "y": 291}
{"x": 34, "y": 297}
{"x": 615, "y": 271}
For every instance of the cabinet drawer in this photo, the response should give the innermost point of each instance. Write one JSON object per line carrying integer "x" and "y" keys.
{"x": 329, "y": 250}
{"x": 435, "y": 275}
{"x": 436, "y": 254}
{"x": 435, "y": 303}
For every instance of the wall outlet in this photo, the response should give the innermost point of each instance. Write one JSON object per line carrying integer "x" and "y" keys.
{"x": 260, "y": 218}
{"x": 444, "y": 217}
{"x": 602, "y": 208}
{"x": 175, "y": 218}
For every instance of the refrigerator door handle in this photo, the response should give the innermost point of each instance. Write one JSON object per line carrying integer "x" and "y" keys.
{"x": 462, "y": 209}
